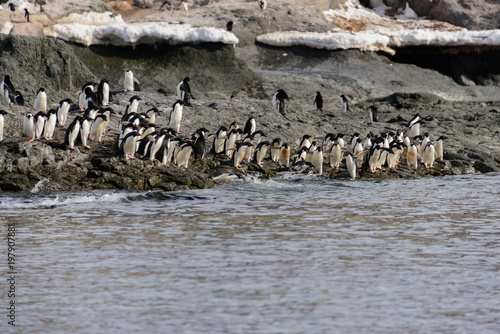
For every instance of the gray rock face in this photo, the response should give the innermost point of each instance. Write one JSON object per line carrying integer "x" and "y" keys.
{"x": 471, "y": 14}
{"x": 35, "y": 62}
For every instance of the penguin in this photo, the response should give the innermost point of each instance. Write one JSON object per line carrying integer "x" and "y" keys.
{"x": 317, "y": 161}
{"x": 344, "y": 102}
{"x": 81, "y": 96}
{"x": 151, "y": 114}
{"x": 172, "y": 147}
{"x": 39, "y": 119}
{"x": 276, "y": 149}
{"x": 133, "y": 105}
{"x": 222, "y": 175}
{"x": 199, "y": 143}
{"x": 250, "y": 126}
{"x": 158, "y": 144}
{"x": 373, "y": 157}
{"x": 373, "y": 114}
{"x": 19, "y": 99}
{"x": 41, "y": 100}
{"x": 415, "y": 119}
{"x": 358, "y": 149}
{"x": 411, "y": 156}
{"x": 26, "y": 15}
{"x": 2, "y": 122}
{"x": 230, "y": 142}
{"x": 305, "y": 142}
{"x": 414, "y": 129}
{"x": 29, "y": 126}
{"x": 310, "y": 151}
{"x": 423, "y": 143}
{"x": 438, "y": 148}
{"x": 351, "y": 165}
{"x": 354, "y": 140}
{"x": 176, "y": 116}
{"x": 279, "y": 101}
{"x": 219, "y": 140}
{"x": 145, "y": 144}
{"x": 340, "y": 140}
{"x": 328, "y": 142}
{"x": 234, "y": 126}
{"x": 367, "y": 144}
{"x": 335, "y": 156}
{"x": 184, "y": 91}
{"x": 239, "y": 154}
{"x": 184, "y": 154}
{"x": 85, "y": 125}
{"x": 62, "y": 111}
{"x": 50, "y": 124}
{"x": 263, "y": 4}
{"x": 90, "y": 98}
{"x": 91, "y": 111}
{"x": 284, "y": 157}
{"x": 129, "y": 144}
{"x": 318, "y": 101}
{"x": 248, "y": 152}
{"x": 125, "y": 129}
{"x": 72, "y": 132}
{"x": 7, "y": 90}
{"x": 106, "y": 111}
{"x": 428, "y": 155}
{"x": 229, "y": 26}
{"x": 128, "y": 81}
{"x": 260, "y": 152}
{"x": 97, "y": 128}
{"x": 103, "y": 93}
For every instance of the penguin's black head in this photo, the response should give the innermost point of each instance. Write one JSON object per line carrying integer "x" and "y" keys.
{"x": 135, "y": 97}
{"x": 186, "y": 79}
{"x": 41, "y": 90}
{"x": 12, "y": 7}
{"x": 229, "y": 26}
{"x": 3, "y": 112}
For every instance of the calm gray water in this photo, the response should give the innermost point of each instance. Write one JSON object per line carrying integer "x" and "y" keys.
{"x": 282, "y": 256}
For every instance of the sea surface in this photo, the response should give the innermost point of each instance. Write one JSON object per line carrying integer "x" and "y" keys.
{"x": 289, "y": 255}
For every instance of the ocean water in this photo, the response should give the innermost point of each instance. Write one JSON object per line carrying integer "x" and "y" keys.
{"x": 290, "y": 255}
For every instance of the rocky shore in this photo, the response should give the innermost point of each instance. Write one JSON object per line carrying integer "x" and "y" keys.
{"x": 232, "y": 84}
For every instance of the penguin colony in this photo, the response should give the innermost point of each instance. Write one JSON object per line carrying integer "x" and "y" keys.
{"x": 140, "y": 137}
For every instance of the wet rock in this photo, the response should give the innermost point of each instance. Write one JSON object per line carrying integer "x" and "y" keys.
{"x": 483, "y": 167}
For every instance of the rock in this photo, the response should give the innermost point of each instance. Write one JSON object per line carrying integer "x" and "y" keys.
{"x": 484, "y": 167}
{"x": 471, "y": 14}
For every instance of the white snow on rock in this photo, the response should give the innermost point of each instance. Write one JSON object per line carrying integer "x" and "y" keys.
{"x": 372, "y": 30}
{"x": 91, "y": 18}
{"x": 123, "y": 34}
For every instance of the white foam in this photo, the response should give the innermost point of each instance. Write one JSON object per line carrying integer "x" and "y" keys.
{"x": 123, "y": 34}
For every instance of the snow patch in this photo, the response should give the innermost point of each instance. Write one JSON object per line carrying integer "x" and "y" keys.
{"x": 91, "y": 18}
{"x": 123, "y": 34}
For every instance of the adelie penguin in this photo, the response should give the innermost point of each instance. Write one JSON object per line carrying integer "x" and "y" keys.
{"x": 239, "y": 154}
{"x": 50, "y": 124}
{"x": 229, "y": 26}
{"x": 317, "y": 160}
{"x": 82, "y": 95}
{"x": 260, "y": 152}
{"x": 133, "y": 105}
{"x": 7, "y": 91}
{"x": 40, "y": 118}
{"x": 41, "y": 100}
{"x": 351, "y": 166}
{"x": 62, "y": 111}
{"x": 199, "y": 143}
{"x": 279, "y": 101}
{"x": 284, "y": 158}
{"x": 73, "y": 132}
{"x": 97, "y": 128}
{"x": 2, "y": 122}
{"x": 129, "y": 144}
{"x": 128, "y": 81}
{"x": 184, "y": 154}
{"x": 344, "y": 102}
{"x": 318, "y": 101}
{"x": 103, "y": 93}
{"x": 85, "y": 125}
{"x": 26, "y": 15}
{"x": 250, "y": 126}
{"x": 276, "y": 149}
{"x": 29, "y": 126}
{"x": 184, "y": 91}
{"x": 373, "y": 113}
{"x": 176, "y": 116}
{"x": 219, "y": 140}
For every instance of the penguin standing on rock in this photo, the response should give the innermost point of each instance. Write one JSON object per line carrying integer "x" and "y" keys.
{"x": 344, "y": 102}
{"x": 176, "y": 116}
{"x": 184, "y": 154}
{"x": 317, "y": 161}
{"x": 184, "y": 91}
{"x": 284, "y": 158}
{"x": 438, "y": 147}
{"x": 7, "y": 90}
{"x": 219, "y": 140}
{"x": 26, "y": 15}
{"x": 50, "y": 124}
{"x": 318, "y": 101}
{"x": 2, "y": 122}
{"x": 351, "y": 166}
{"x": 373, "y": 113}
{"x": 263, "y": 4}
{"x": 82, "y": 95}
{"x": 250, "y": 126}
{"x": 129, "y": 144}
{"x": 276, "y": 149}
{"x": 279, "y": 101}
{"x": 199, "y": 143}
{"x": 85, "y": 125}
{"x": 41, "y": 100}
{"x": 128, "y": 81}
{"x": 72, "y": 132}
{"x": 103, "y": 93}
{"x": 260, "y": 152}
{"x": 96, "y": 130}
{"x": 29, "y": 126}
{"x": 40, "y": 118}
{"x": 239, "y": 154}
{"x": 133, "y": 105}
{"x": 62, "y": 111}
